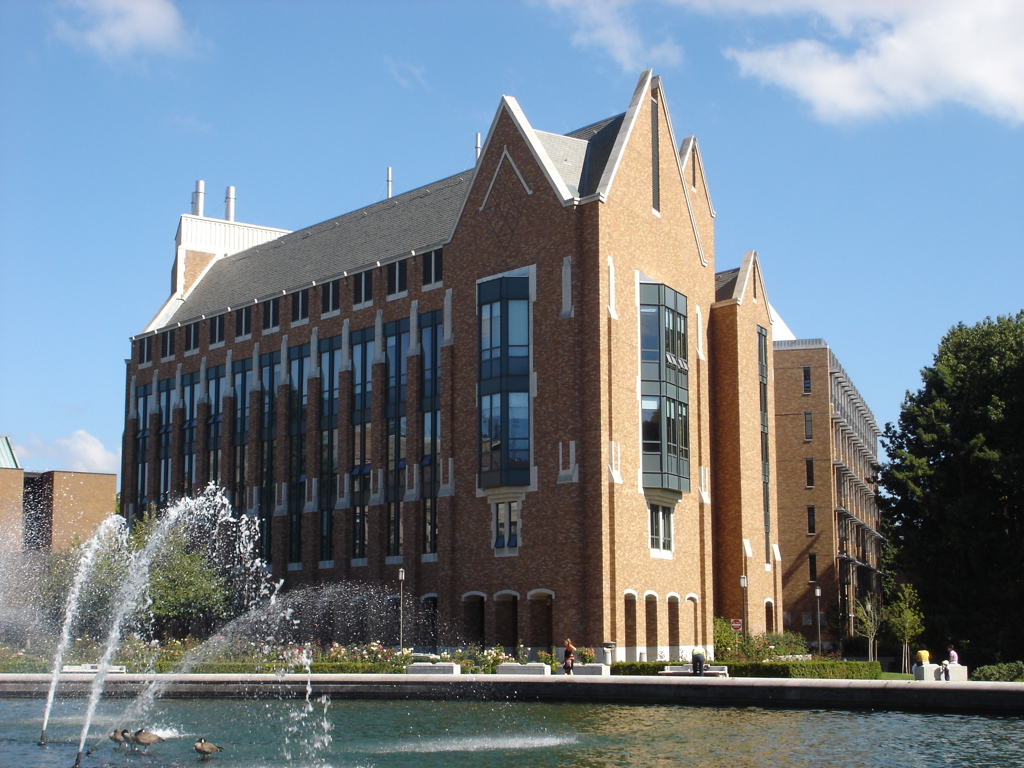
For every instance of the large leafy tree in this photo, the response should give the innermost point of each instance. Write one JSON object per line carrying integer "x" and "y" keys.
{"x": 954, "y": 487}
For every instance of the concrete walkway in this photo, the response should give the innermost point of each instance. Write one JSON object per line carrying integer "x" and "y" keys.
{"x": 968, "y": 697}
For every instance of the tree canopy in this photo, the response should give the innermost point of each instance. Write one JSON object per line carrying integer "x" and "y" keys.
{"x": 954, "y": 488}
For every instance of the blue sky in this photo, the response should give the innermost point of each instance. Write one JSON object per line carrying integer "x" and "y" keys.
{"x": 871, "y": 151}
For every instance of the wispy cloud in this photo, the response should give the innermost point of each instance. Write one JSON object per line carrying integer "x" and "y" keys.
{"x": 863, "y": 59}
{"x": 119, "y": 28}
{"x": 602, "y": 24}
{"x": 81, "y": 452}
{"x": 407, "y": 75}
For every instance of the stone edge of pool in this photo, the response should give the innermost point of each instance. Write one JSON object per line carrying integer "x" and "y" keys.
{"x": 953, "y": 697}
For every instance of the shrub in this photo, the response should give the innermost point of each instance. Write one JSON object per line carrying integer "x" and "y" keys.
{"x": 1009, "y": 672}
{"x": 637, "y": 667}
{"x": 819, "y": 670}
{"x": 550, "y": 659}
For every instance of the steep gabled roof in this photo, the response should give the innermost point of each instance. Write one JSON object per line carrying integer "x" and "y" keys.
{"x": 578, "y": 165}
{"x": 731, "y": 287}
{"x": 418, "y": 220}
{"x": 733, "y": 284}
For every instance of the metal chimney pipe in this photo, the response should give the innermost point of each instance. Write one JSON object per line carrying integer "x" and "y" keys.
{"x": 199, "y": 198}
{"x": 389, "y": 182}
{"x": 478, "y": 146}
{"x": 229, "y": 204}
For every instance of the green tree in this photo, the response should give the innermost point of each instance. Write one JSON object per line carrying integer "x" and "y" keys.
{"x": 905, "y": 620}
{"x": 186, "y": 595}
{"x": 954, "y": 488}
{"x": 869, "y": 616}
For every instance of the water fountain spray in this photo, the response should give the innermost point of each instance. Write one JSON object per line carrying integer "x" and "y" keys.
{"x": 113, "y": 525}
{"x": 126, "y": 602}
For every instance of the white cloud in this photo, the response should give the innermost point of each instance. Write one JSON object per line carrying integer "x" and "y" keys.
{"x": 118, "y": 28}
{"x": 863, "y": 59}
{"x": 601, "y": 23}
{"x": 81, "y": 452}
{"x": 406, "y": 75}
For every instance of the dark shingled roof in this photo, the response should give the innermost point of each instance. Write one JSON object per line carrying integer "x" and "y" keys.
{"x": 600, "y": 138}
{"x": 416, "y": 220}
{"x": 725, "y": 284}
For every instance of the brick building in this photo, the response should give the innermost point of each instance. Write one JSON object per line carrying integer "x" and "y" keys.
{"x": 43, "y": 511}
{"x": 500, "y": 383}
{"x": 746, "y": 525}
{"x": 826, "y": 465}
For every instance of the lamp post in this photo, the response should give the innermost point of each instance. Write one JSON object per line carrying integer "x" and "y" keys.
{"x": 817, "y": 614}
{"x": 743, "y": 586}
{"x": 401, "y": 607}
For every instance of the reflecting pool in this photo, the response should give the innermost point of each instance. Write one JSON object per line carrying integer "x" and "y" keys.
{"x": 426, "y": 734}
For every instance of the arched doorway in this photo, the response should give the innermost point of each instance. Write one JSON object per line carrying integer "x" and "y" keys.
{"x": 674, "y": 628}
{"x": 651, "y": 626}
{"x": 629, "y": 626}
{"x": 473, "y": 618}
{"x": 506, "y": 619}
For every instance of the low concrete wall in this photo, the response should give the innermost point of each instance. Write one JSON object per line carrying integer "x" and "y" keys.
{"x": 965, "y": 697}
{"x": 592, "y": 669}
{"x": 533, "y": 668}
{"x": 430, "y": 668}
{"x": 935, "y": 672}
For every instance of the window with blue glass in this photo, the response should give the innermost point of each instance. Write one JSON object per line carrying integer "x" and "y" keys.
{"x": 270, "y": 378}
{"x": 241, "y": 387}
{"x": 298, "y": 396}
{"x": 189, "y": 395}
{"x": 363, "y": 347}
{"x": 142, "y": 395}
{"x": 215, "y": 382}
{"x": 506, "y": 526}
{"x": 165, "y": 399}
{"x": 504, "y": 381}
{"x": 431, "y": 329}
{"x": 396, "y": 350}
{"x": 664, "y": 388}
{"x": 330, "y": 367}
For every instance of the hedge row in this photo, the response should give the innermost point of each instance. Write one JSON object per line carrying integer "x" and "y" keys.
{"x": 12, "y": 666}
{"x": 822, "y": 670}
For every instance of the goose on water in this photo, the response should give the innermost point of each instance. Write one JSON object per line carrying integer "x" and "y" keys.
{"x": 206, "y": 748}
{"x": 145, "y": 738}
{"x": 120, "y": 737}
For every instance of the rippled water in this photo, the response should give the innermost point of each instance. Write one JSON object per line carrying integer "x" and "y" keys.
{"x": 426, "y": 734}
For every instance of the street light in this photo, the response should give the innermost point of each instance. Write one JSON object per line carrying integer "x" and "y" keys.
{"x": 401, "y": 611}
{"x": 817, "y": 614}
{"x": 743, "y": 586}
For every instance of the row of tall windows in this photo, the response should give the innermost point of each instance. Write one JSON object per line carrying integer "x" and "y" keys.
{"x": 762, "y": 381}
{"x": 267, "y": 376}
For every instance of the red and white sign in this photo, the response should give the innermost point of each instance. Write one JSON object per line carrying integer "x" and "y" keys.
{"x": 737, "y": 625}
